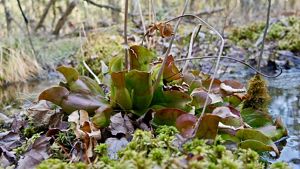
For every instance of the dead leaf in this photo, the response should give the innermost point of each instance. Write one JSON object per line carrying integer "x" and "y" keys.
{"x": 36, "y": 153}
{"x": 7, "y": 158}
{"x": 121, "y": 125}
{"x": 9, "y": 140}
{"x": 43, "y": 115}
{"x": 165, "y": 29}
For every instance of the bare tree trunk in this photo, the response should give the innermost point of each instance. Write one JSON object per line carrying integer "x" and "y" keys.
{"x": 192, "y": 6}
{"x": 8, "y": 17}
{"x": 115, "y": 15}
{"x": 46, "y": 10}
{"x": 64, "y": 17}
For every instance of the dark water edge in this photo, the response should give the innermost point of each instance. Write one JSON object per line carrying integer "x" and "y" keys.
{"x": 285, "y": 93}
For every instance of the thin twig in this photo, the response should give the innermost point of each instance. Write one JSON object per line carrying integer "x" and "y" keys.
{"x": 169, "y": 48}
{"x": 125, "y": 34}
{"x": 264, "y": 37}
{"x": 27, "y": 29}
{"x": 153, "y": 11}
{"x": 193, "y": 38}
{"x": 231, "y": 58}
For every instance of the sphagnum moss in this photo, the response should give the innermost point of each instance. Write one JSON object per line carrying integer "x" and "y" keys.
{"x": 147, "y": 154}
{"x": 258, "y": 96}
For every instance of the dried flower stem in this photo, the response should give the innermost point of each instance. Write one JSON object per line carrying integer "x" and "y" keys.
{"x": 125, "y": 34}
{"x": 231, "y": 58}
{"x": 264, "y": 36}
{"x": 169, "y": 48}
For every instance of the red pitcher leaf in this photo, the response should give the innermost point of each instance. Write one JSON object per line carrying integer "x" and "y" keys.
{"x": 251, "y": 138}
{"x": 230, "y": 116}
{"x": 192, "y": 80}
{"x": 171, "y": 72}
{"x": 142, "y": 93}
{"x": 102, "y": 116}
{"x": 86, "y": 85}
{"x": 185, "y": 124}
{"x": 215, "y": 86}
{"x": 229, "y": 87}
{"x": 273, "y": 132}
{"x": 233, "y": 100}
{"x": 120, "y": 95}
{"x": 76, "y": 101}
{"x": 54, "y": 95}
{"x": 140, "y": 58}
{"x": 70, "y": 74}
{"x": 256, "y": 118}
{"x": 176, "y": 99}
{"x": 199, "y": 97}
{"x": 208, "y": 127}
{"x": 167, "y": 116}
{"x": 256, "y": 145}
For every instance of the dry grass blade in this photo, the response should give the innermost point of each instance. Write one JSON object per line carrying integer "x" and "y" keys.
{"x": 194, "y": 34}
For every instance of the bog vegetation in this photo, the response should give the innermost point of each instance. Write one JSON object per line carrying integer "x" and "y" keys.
{"x": 146, "y": 110}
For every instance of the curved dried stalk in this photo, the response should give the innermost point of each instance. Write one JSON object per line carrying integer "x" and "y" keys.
{"x": 231, "y": 58}
{"x": 189, "y": 55}
{"x": 216, "y": 67}
{"x": 169, "y": 48}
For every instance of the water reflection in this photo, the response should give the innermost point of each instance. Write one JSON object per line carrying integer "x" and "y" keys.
{"x": 286, "y": 104}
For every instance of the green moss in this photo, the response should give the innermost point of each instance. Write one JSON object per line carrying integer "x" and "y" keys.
{"x": 58, "y": 164}
{"x": 146, "y": 152}
{"x": 101, "y": 149}
{"x": 258, "y": 96}
{"x": 276, "y": 31}
{"x": 285, "y": 32}
{"x": 246, "y": 34}
{"x": 280, "y": 165}
{"x": 22, "y": 149}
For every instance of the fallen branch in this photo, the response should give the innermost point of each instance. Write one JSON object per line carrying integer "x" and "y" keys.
{"x": 103, "y": 6}
{"x": 210, "y": 12}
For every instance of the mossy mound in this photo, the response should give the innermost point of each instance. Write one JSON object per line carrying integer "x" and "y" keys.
{"x": 286, "y": 33}
{"x": 258, "y": 97}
